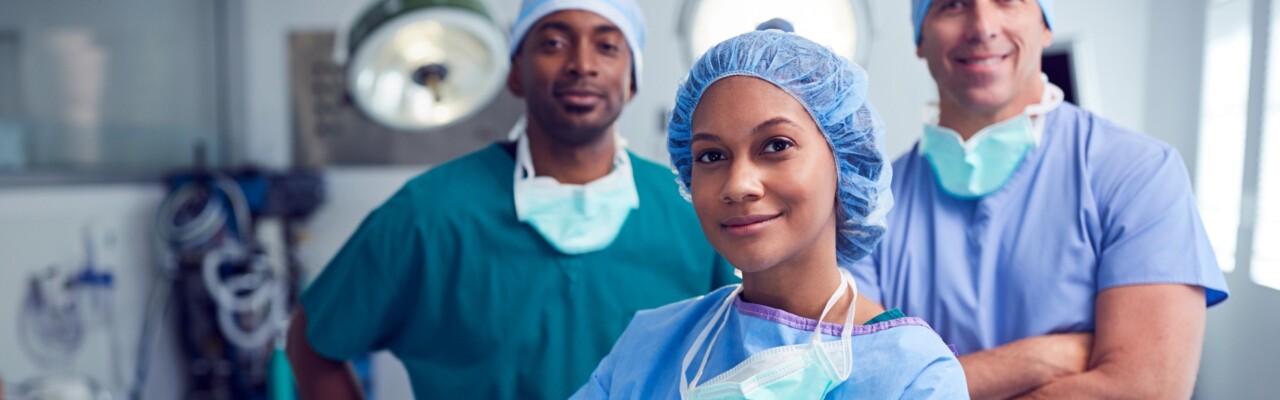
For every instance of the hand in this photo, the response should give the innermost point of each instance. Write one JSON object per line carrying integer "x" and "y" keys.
{"x": 1024, "y": 365}
{"x": 1064, "y": 354}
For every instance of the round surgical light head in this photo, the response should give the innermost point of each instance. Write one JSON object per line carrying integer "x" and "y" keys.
{"x": 421, "y": 65}
{"x": 842, "y": 25}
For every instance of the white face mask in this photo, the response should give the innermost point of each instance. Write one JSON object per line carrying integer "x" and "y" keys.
{"x": 575, "y": 219}
{"x": 803, "y": 371}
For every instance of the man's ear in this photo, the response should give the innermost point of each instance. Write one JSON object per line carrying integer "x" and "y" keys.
{"x": 514, "y": 84}
{"x": 631, "y": 89}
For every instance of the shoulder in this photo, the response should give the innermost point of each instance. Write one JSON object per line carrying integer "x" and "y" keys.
{"x": 485, "y": 163}
{"x": 910, "y": 164}
{"x": 906, "y": 159}
{"x": 1116, "y": 157}
{"x": 660, "y": 194}
{"x": 911, "y": 338}
{"x": 477, "y": 175}
{"x": 1104, "y": 144}
{"x": 911, "y": 171}
{"x": 654, "y": 177}
{"x": 1103, "y": 141}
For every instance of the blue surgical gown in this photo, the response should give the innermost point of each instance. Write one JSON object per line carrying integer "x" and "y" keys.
{"x": 901, "y": 358}
{"x": 478, "y": 306}
{"x": 1093, "y": 207}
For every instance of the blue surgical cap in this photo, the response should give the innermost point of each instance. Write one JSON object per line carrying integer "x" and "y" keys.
{"x": 920, "y": 8}
{"x": 834, "y": 92}
{"x": 625, "y": 14}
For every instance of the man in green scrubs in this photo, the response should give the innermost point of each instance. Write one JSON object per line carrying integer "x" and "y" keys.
{"x": 510, "y": 272}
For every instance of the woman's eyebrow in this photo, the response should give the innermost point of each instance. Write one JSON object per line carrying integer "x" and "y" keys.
{"x": 773, "y": 121}
{"x": 759, "y": 128}
{"x": 704, "y": 136}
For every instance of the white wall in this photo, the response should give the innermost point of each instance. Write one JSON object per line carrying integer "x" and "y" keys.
{"x": 42, "y": 227}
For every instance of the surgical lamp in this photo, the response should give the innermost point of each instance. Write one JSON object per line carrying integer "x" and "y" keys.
{"x": 422, "y": 65}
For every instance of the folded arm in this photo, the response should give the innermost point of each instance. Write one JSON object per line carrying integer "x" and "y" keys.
{"x": 1148, "y": 345}
{"x": 1019, "y": 367}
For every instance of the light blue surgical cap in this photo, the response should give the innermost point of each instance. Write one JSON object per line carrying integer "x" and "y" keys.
{"x": 919, "y": 8}
{"x": 625, "y": 14}
{"x": 834, "y": 92}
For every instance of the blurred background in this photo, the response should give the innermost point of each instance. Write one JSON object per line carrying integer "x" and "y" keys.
{"x": 172, "y": 173}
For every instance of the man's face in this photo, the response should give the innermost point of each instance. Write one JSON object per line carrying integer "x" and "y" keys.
{"x": 985, "y": 54}
{"x": 573, "y": 70}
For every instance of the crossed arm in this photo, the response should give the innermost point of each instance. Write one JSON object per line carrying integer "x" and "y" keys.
{"x": 1147, "y": 345}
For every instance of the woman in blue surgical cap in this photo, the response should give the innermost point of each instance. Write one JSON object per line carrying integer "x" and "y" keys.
{"x": 782, "y": 156}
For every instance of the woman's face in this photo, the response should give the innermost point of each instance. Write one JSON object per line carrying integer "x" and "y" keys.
{"x": 763, "y": 180}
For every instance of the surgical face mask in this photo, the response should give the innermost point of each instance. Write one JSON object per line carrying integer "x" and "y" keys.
{"x": 983, "y": 164}
{"x": 575, "y": 219}
{"x": 804, "y": 371}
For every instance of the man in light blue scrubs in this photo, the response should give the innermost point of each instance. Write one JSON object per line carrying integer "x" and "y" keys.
{"x": 510, "y": 272}
{"x": 1061, "y": 254}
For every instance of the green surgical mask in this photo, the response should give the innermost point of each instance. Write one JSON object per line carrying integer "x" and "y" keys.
{"x": 984, "y": 164}
{"x": 981, "y": 166}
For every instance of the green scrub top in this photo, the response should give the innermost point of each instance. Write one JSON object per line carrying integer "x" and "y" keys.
{"x": 476, "y": 304}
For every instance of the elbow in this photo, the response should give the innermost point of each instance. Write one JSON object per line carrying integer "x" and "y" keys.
{"x": 296, "y": 348}
{"x": 1144, "y": 383}
{"x": 1119, "y": 391}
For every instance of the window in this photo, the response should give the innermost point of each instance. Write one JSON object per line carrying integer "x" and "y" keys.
{"x": 106, "y": 89}
{"x": 1238, "y": 175}
{"x": 1220, "y": 158}
{"x": 1264, "y": 266}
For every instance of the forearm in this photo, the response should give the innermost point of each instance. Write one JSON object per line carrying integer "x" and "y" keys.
{"x": 318, "y": 378}
{"x": 1148, "y": 346}
{"x": 1114, "y": 383}
{"x": 991, "y": 375}
{"x": 1022, "y": 366}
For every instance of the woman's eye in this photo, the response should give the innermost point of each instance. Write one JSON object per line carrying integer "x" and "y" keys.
{"x": 777, "y": 145}
{"x": 710, "y": 157}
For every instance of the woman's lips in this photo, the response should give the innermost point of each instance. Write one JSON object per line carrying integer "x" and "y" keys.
{"x": 748, "y": 224}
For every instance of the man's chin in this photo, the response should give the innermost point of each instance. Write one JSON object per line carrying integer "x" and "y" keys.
{"x": 580, "y": 129}
{"x": 593, "y": 119}
{"x": 988, "y": 98}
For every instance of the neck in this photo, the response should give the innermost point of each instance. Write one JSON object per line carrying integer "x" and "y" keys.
{"x": 801, "y": 286}
{"x": 571, "y": 163}
{"x": 967, "y": 119}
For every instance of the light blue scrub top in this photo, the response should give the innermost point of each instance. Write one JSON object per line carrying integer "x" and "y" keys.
{"x": 900, "y": 358}
{"x": 1093, "y": 207}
